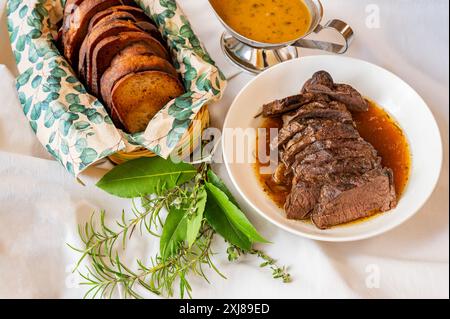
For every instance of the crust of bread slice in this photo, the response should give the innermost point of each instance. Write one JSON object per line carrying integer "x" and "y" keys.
{"x": 130, "y": 63}
{"x": 137, "y": 97}
{"x": 137, "y": 13}
{"x": 77, "y": 23}
{"x": 97, "y": 34}
{"x": 108, "y": 48}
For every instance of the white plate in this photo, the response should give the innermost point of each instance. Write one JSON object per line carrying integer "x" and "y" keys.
{"x": 389, "y": 91}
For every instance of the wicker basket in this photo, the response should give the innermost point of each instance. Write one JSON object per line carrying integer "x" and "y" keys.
{"x": 188, "y": 143}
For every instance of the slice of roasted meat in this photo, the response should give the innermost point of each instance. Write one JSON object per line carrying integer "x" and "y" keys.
{"x": 341, "y": 203}
{"x": 291, "y": 103}
{"x": 322, "y": 83}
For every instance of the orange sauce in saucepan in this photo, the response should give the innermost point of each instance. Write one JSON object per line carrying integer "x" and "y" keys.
{"x": 377, "y": 127}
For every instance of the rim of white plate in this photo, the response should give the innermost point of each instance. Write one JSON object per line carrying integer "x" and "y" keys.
{"x": 369, "y": 234}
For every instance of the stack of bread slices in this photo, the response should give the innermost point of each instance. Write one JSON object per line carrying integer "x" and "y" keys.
{"x": 122, "y": 59}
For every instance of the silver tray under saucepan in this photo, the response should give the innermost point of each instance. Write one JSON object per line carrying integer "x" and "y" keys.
{"x": 256, "y": 57}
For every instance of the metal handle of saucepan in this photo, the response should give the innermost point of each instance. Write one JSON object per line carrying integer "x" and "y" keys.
{"x": 343, "y": 29}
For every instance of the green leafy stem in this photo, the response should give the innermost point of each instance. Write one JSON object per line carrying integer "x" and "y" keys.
{"x": 199, "y": 205}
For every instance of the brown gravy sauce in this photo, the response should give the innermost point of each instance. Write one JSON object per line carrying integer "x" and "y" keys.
{"x": 378, "y": 128}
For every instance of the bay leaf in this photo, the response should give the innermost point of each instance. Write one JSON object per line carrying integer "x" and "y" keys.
{"x": 218, "y": 220}
{"x": 235, "y": 216}
{"x": 194, "y": 223}
{"x": 174, "y": 232}
{"x": 145, "y": 176}
{"x": 218, "y": 182}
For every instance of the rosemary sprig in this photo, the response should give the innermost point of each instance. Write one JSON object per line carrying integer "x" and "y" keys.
{"x": 106, "y": 274}
{"x": 104, "y": 239}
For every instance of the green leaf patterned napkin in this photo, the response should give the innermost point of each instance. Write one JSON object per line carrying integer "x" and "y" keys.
{"x": 74, "y": 126}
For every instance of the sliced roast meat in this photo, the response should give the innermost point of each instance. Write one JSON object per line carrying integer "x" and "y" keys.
{"x": 320, "y": 79}
{"x": 311, "y": 126}
{"x": 320, "y": 172}
{"x": 357, "y": 145}
{"x": 302, "y": 114}
{"x": 281, "y": 176}
{"x": 292, "y": 132}
{"x": 302, "y": 201}
{"x": 341, "y": 204}
{"x": 321, "y": 110}
{"x": 323, "y": 83}
{"x": 328, "y": 131}
{"x": 326, "y": 155}
{"x": 346, "y": 94}
{"x": 338, "y": 115}
{"x": 291, "y": 103}
{"x": 286, "y": 133}
{"x": 351, "y": 180}
{"x": 335, "y": 176}
{"x": 351, "y": 97}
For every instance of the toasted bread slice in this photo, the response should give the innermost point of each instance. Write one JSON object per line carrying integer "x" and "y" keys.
{"x": 119, "y": 15}
{"x": 137, "y": 14}
{"x": 152, "y": 30}
{"x": 108, "y": 48}
{"x": 101, "y": 31}
{"x": 69, "y": 8}
{"x": 77, "y": 24}
{"x": 130, "y": 63}
{"x": 137, "y": 97}
{"x": 139, "y": 48}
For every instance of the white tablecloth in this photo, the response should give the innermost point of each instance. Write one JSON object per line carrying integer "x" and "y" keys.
{"x": 41, "y": 205}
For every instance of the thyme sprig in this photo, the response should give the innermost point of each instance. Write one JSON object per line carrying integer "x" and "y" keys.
{"x": 278, "y": 272}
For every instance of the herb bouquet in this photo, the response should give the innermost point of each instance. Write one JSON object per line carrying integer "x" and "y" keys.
{"x": 199, "y": 206}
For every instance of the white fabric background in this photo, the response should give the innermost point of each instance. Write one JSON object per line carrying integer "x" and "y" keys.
{"x": 41, "y": 205}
